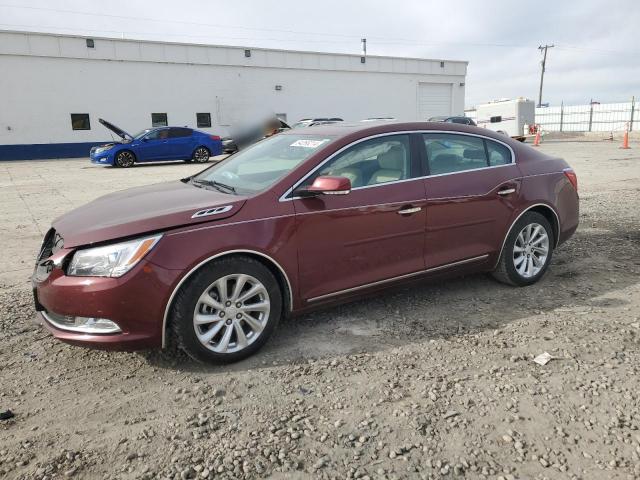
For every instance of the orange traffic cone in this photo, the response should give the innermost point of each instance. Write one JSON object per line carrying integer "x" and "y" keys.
{"x": 625, "y": 139}
{"x": 536, "y": 141}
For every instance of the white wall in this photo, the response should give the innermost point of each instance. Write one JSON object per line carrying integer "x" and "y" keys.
{"x": 49, "y": 77}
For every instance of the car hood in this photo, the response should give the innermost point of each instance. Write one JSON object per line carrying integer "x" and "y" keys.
{"x": 117, "y": 130}
{"x": 140, "y": 210}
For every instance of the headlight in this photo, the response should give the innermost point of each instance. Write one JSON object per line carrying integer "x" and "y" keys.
{"x": 103, "y": 149}
{"x": 111, "y": 260}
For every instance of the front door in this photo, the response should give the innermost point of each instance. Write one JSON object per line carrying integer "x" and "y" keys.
{"x": 154, "y": 146}
{"x": 374, "y": 233}
{"x": 471, "y": 192}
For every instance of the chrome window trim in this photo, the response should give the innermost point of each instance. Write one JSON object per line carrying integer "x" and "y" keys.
{"x": 207, "y": 260}
{"x": 504, "y": 241}
{"x": 399, "y": 277}
{"x": 289, "y": 191}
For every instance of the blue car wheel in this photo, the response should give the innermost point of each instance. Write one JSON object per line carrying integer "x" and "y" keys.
{"x": 125, "y": 159}
{"x": 201, "y": 154}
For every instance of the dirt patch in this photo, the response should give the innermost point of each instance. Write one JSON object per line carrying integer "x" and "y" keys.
{"x": 429, "y": 381}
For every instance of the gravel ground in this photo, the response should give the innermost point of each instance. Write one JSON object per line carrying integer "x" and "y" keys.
{"x": 428, "y": 381}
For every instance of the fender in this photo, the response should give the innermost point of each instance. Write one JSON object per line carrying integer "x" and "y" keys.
{"x": 555, "y": 214}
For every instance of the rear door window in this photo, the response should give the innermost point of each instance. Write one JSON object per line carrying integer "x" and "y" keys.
{"x": 450, "y": 153}
{"x": 179, "y": 132}
{"x": 498, "y": 153}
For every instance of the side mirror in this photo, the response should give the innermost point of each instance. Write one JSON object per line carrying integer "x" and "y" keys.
{"x": 326, "y": 185}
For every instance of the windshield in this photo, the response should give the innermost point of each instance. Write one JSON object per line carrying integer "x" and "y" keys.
{"x": 141, "y": 133}
{"x": 261, "y": 165}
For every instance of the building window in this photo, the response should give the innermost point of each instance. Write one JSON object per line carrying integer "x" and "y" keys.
{"x": 203, "y": 120}
{"x": 90, "y": 43}
{"x": 159, "y": 120}
{"x": 247, "y": 53}
{"x": 80, "y": 121}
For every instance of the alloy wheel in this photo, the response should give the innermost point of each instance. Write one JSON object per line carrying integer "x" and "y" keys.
{"x": 125, "y": 159}
{"x": 531, "y": 250}
{"x": 231, "y": 313}
{"x": 201, "y": 155}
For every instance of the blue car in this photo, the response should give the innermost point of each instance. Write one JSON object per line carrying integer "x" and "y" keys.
{"x": 156, "y": 145}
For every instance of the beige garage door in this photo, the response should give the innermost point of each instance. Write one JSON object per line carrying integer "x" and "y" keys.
{"x": 434, "y": 99}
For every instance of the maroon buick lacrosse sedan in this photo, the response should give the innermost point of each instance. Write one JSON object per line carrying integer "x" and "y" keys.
{"x": 302, "y": 219}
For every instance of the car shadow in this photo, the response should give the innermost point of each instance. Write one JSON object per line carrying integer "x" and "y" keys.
{"x": 424, "y": 311}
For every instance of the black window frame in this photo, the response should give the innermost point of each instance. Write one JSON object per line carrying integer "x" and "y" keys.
{"x": 200, "y": 124}
{"x": 88, "y": 119}
{"x": 166, "y": 120}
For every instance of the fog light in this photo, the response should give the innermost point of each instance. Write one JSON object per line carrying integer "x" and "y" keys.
{"x": 81, "y": 324}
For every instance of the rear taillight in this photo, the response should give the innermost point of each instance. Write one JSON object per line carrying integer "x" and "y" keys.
{"x": 215, "y": 137}
{"x": 572, "y": 177}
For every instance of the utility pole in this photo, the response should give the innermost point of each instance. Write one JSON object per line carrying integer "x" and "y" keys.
{"x": 544, "y": 61}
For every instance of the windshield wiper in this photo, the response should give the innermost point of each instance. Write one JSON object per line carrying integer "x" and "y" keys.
{"x": 217, "y": 185}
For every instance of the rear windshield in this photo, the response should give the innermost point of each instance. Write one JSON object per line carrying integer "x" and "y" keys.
{"x": 261, "y": 165}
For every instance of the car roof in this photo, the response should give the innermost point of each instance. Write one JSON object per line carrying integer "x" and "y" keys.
{"x": 359, "y": 129}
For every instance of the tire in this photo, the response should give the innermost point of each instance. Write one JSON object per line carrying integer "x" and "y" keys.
{"x": 125, "y": 159}
{"x": 515, "y": 267}
{"x": 201, "y": 155}
{"x": 208, "y": 325}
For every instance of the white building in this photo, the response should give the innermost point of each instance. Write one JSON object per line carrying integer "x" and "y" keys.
{"x": 47, "y": 78}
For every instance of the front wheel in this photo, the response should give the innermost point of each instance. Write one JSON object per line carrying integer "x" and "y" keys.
{"x": 201, "y": 155}
{"x": 227, "y": 310}
{"x": 125, "y": 159}
{"x": 527, "y": 251}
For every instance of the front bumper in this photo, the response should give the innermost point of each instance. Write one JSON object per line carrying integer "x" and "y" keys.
{"x": 103, "y": 158}
{"x": 135, "y": 302}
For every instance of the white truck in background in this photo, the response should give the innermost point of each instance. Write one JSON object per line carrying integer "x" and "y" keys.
{"x": 515, "y": 118}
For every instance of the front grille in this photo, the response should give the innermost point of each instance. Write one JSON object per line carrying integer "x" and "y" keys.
{"x": 51, "y": 244}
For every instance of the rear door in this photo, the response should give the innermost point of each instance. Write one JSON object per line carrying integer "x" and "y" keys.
{"x": 472, "y": 189}
{"x": 372, "y": 234}
{"x": 180, "y": 143}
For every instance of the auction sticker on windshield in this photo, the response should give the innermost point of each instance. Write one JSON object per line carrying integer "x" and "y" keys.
{"x": 308, "y": 143}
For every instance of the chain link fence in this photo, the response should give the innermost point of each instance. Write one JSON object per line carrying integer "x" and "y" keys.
{"x": 596, "y": 117}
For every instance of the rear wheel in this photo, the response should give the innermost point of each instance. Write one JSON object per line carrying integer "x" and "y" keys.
{"x": 201, "y": 155}
{"x": 125, "y": 159}
{"x": 527, "y": 251}
{"x": 227, "y": 310}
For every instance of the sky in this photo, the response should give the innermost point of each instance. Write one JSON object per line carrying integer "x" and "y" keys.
{"x": 596, "y": 54}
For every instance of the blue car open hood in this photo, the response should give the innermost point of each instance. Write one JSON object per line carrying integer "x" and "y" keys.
{"x": 117, "y": 130}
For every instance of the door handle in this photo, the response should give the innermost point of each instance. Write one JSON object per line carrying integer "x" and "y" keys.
{"x": 506, "y": 191}
{"x": 409, "y": 211}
